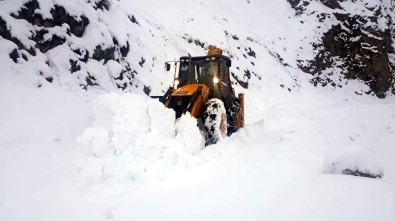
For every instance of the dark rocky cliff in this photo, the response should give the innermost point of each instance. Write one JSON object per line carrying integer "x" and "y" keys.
{"x": 360, "y": 44}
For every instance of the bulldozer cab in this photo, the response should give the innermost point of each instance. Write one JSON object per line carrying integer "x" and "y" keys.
{"x": 209, "y": 70}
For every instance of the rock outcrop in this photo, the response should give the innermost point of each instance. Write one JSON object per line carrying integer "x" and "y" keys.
{"x": 360, "y": 44}
{"x": 66, "y": 29}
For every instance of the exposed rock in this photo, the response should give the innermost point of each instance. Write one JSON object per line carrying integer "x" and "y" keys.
{"x": 294, "y": 3}
{"x": 244, "y": 84}
{"x": 74, "y": 66}
{"x": 147, "y": 90}
{"x": 360, "y": 53}
{"x": 102, "y": 4}
{"x": 333, "y": 4}
{"x": 298, "y": 5}
{"x": 103, "y": 54}
{"x": 82, "y": 54}
{"x": 24, "y": 57}
{"x": 133, "y": 20}
{"x": 59, "y": 17}
{"x": 14, "y": 55}
{"x": 50, "y": 44}
{"x": 49, "y": 79}
{"x": 125, "y": 49}
{"x": 247, "y": 74}
{"x": 27, "y": 13}
{"x": 251, "y": 53}
{"x": 141, "y": 63}
{"x": 191, "y": 40}
{"x": 6, "y": 34}
{"x": 70, "y": 26}
{"x": 356, "y": 47}
{"x": 126, "y": 77}
{"x": 90, "y": 81}
{"x": 362, "y": 173}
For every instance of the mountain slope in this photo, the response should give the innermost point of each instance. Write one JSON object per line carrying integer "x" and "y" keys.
{"x": 359, "y": 45}
{"x": 108, "y": 44}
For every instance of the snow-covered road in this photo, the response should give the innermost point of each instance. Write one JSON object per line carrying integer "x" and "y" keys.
{"x": 155, "y": 170}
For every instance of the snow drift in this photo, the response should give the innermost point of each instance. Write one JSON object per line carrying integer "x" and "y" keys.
{"x": 134, "y": 136}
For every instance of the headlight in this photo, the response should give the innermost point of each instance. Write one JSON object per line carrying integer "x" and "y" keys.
{"x": 216, "y": 80}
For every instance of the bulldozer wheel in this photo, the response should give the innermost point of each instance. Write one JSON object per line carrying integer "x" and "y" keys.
{"x": 214, "y": 120}
{"x": 234, "y": 114}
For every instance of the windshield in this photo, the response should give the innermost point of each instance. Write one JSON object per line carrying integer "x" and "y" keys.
{"x": 202, "y": 71}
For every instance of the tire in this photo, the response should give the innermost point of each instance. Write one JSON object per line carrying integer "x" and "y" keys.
{"x": 214, "y": 120}
{"x": 233, "y": 113}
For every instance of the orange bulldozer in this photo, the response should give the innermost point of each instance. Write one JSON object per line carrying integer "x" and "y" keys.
{"x": 203, "y": 88}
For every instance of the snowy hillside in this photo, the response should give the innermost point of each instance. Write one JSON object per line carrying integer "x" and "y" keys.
{"x": 81, "y": 140}
{"x": 105, "y": 44}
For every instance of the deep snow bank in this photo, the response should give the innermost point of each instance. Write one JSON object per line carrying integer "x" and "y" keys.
{"x": 133, "y": 137}
{"x": 353, "y": 161}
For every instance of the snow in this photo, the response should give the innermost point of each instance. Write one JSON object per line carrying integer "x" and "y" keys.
{"x": 37, "y": 132}
{"x": 134, "y": 161}
{"x": 351, "y": 159}
{"x": 134, "y": 137}
{"x": 103, "y": 154}
{"x": 114, "y": 68}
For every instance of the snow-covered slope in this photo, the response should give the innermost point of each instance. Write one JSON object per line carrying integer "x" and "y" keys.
{"x": 105, "y": 44}
{"x": 75, "y": 147}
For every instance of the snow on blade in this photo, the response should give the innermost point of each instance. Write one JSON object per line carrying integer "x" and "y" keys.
{"x": 132, "y": 137}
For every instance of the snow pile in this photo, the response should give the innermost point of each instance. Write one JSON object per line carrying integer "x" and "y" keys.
{"x": 353, "y": 161}
{"x": 134, "y": 136}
